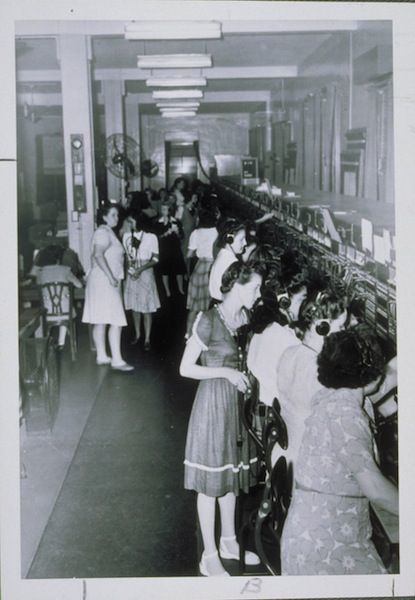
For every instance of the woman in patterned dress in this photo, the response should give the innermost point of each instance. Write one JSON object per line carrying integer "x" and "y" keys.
{"x": 140, "y": 291}
{"x": 218, "y": 459}
{"x": 328, "y": 528}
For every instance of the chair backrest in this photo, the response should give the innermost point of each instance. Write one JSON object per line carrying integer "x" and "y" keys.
{"x": 57, "y": 298}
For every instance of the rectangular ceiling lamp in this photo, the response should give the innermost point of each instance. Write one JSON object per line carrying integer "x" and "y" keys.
{"x": 183, "y": 113}
{"x": 176, "y": 81}
{"x": 178, "y": 105}
{"x": 173, "y": 30}
{"x": 175, "y": 109}
{"x": 174, "y": 61}
{"x": 166, "y": 94}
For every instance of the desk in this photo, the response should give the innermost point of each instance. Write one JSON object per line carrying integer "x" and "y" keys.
{"x": 31, "y": 321}
{"x": 386, "y": 536}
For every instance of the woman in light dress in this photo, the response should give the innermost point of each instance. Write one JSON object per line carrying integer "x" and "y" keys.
{"x": 140, "y": 291}
{"x": 103, "y": 294}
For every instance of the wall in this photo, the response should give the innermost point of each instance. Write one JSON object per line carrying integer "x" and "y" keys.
{"x": 27, "y": 154}
{"x": 346, "y": 63}
{"x": 217, "y": 134}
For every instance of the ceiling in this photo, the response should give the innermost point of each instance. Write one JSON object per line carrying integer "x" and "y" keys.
{"x": 249, "y": 61}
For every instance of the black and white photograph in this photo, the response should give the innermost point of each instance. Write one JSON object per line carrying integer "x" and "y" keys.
{"x": 207, "y": 311}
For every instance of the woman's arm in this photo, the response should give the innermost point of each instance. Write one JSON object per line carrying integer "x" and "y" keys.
{"x": 390, "y": 381}
{"x": 74, "y": 280}
{"x": 148, "y": 265}
{"x": 265, "y": 217}
{"x": 99, "y": 255}
{"x": 379, "y": 490}
{"x": 190, "y": 368}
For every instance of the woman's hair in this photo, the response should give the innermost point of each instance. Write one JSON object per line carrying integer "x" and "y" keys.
{"x": 350, "y": 359}
{"x": 287, "y": 274}
{"x": 327, "y": 304}
{"x": 103, "y": 211}
{"x": 239, "y": 272}
{"x": 139, "y": 201}
{"x": 50, "y": 255}
{"x": 229, "y": 227}
{"x": 142, "y": 221}
{"x": 169, "y": 206}
{"x": 207, "y": 218}
{"x": 177, "y": 181}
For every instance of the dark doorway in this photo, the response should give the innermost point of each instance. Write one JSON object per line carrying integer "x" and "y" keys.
{"x": 181, "y": 161}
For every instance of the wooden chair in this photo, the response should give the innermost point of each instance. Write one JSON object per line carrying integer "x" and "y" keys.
{"x": 57, "y": 298}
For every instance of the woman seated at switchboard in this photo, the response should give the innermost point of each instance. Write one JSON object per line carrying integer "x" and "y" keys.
{"x": 231, "y": 242}
{"x": 328, "y": 529}
{"x": 49, "y": 269}
{"x": 273, "y": 323}
{"x": 324, "y": 312}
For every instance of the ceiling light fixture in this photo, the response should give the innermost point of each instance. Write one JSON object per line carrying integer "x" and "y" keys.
{"x": 178, "y": 105}
{"x": 176, "y": 81}
{"x": 166, "y": 94}
{"x": 176, "y": 109}
{"x": 174, "y": 61}
{"x": 173, "y": 30}
{"x": 183, "y": 113}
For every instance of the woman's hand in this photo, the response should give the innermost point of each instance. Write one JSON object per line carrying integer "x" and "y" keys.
{"x": 238, "y": 379}
{"x": 136, "y": 273}
{"x": 113, "y": 281}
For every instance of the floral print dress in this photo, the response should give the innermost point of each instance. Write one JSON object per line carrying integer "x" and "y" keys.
{"x": 328, "y": 528}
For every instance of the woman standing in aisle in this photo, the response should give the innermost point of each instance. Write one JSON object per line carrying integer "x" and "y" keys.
{"x": 103, "y": 295}
{"x": 218, "y": 457}
{"x": 200, "y": 245}
{"x": 169, "y": 232}
{"x": 140, "y": 291}
{"x": 328, "y": 528}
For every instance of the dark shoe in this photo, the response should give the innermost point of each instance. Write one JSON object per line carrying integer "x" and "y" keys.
{"x": 135, "y": 341}
{"x": 147, "y": 346}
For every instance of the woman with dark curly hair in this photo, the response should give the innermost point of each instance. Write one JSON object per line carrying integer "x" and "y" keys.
{"x": 328, "y": 528}
{"x": 218, "y": 456}
{"x": 323, "y": 312}
{"x": 272, "y": 322}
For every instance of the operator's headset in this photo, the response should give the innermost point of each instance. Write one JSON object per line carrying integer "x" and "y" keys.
{"x": 324, "y": 327}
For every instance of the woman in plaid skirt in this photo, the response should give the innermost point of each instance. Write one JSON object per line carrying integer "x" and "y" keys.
{"x": 200, "y": 245}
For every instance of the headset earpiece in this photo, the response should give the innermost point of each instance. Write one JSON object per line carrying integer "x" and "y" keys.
{"x": 323, "y": 328}
{"x": 229, "y": 239}
{"x": 284, "y": 301}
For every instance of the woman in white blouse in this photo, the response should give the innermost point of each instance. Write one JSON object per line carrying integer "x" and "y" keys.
{"x": 200, "y": 245}
{"x": 140, "y": 291}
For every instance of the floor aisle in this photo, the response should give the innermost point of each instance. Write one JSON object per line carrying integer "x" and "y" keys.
{"x": 122, "y": 510}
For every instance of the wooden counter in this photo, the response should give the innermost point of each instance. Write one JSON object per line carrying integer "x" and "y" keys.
{"x": 31, "y": 321}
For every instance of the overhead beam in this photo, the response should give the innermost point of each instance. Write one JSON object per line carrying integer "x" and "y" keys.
{"x": 41, "y": 28}
{"x": 263, "y": 72}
